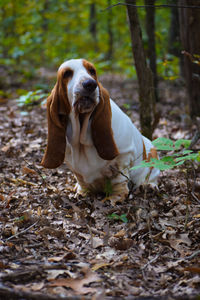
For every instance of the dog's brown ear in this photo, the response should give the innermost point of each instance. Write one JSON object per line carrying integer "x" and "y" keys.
{"x": 101, "y": 125}
{"x": 58, "y": 109}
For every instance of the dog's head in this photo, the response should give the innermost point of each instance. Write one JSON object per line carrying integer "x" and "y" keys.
{"x": 78, "y": 91}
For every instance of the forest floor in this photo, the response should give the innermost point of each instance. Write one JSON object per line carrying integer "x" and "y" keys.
{"x": 57, "y": 246}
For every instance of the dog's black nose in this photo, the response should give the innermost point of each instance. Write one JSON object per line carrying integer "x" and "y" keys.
{"x": 89, "y": 85}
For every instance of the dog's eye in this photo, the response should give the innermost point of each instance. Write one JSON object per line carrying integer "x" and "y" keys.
{"x": 68, "y": 73}
{"x": 92, "y": 71}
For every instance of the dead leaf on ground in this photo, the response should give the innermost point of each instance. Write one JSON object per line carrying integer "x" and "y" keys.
{"x": 193, "y": 269}
{"x": 27, "y": 170}
{"x": 52, "y": 274}
{"x": 66, "y": 256}
{"x": 78, "y": 284}
{"x": 179, "y": 244}
{"x": 121, "y": 243}
{"x": 37, "y": 286}
{"x": 100, "y": 265}
{"x": 97, "y": 242}
{"x": 51, "y": 231}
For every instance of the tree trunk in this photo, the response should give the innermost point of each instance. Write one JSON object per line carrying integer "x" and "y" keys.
{"x": 150, "y": 29}
{"x": 110, "y": 32}
{"x": 93, "y": 24}
{"x": 190, "y": 28}
{"x": 144, "y": 74}
{"x": 174, "y": 36}
{"x": 44, "y": 27}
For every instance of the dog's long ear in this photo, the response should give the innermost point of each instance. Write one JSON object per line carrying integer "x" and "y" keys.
{"x": 58, "y": 109}
{"x": 101, "y": 125}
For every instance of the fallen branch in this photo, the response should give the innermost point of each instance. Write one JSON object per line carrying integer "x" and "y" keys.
{"x": 192, "y": 255}
{"x": 19, "y": 180}
{"x": 21, "y": 232}
{"x": 195, "y": 139}
{"x": 150, "y": 261}
{"x": 20, "y": 277}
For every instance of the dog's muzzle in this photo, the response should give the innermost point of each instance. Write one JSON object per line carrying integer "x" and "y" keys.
{"x": 86, "y": 96}
{"x": 85, "y": 104}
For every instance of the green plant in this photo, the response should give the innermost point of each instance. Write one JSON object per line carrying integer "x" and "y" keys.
{"x": 122, "y": 218}
{"x": 108, "y": 187}
{"x": 179, "y": 154}
{"x": 31, "y": 98}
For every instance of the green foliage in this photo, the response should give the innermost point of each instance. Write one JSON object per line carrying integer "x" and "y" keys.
{"x": 108, "y": 187}
{"x": 178, "y": 155}
{"x": 122, "y": 218}
{"x": 31, "y": 98}
{"x": 168, "y": 67}
{"x": 47, "y": 32}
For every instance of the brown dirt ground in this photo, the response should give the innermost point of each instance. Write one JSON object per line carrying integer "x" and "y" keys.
{"x": 57, "y": 246}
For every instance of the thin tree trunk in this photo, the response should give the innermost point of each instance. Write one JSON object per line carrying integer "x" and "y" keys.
{"x": 190, "y": 28}
{"x": 150, "y": 29}
{"x": 174, "y": 36}
{"x": 110, "y": 32}
{"x": 44, "y": 26}
{"x": 144, "y": 74}
{"x": 93, "y": 24}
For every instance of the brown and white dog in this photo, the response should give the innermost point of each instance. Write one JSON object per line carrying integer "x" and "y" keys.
{"x": 95, "y": 138}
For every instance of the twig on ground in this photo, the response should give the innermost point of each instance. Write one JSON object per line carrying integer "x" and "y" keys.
{"x": 195, "y": 139}
{"x": 19, "y": 180}
{"x": 21, "y": 232}
{"x": 36, "y": 170}
{"x": 91, "y": 237}
{"x": 22, "y": 276}
{"x": 195, "y": 197}
{"x": 151, "y": 261}
{"x": 192, "y": 255}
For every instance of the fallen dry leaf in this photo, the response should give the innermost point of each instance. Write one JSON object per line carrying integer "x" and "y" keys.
{"x": 2, "y": 198}
{"x": 52, "y": 274}
{"x": 37, "y": 286}
{"x": 121, "y": 243}
{"x": 193, "y": 269}
{"x": 56, "y": 258}
{"x": 97, "y": 242}
{"x": 77, "y": 284}
{"x": 120, "y": 233}
{"x": 100, "y": 265}
{"x": 196, "y": 216}
{"x": 27, "y": 170}
{"x": 177, "y": 244}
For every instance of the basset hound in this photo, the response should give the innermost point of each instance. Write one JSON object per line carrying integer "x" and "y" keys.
{"x": 94, "y": 137}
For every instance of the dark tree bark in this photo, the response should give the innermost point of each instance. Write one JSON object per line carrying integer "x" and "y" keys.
{"x": 150, "y": 29}
{"x": 93, "y": 24}
{"x": 144, "y": 74}
{"x": 174, "y": 36}
{"x": 45, "y": 24}
{"x": 110, "y": 32}
{"x": 190, "y": 28}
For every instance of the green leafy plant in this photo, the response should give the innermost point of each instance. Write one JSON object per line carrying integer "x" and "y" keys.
{"x": 179, "y": 154}
{"x": 108, "y": 187}
{"x": 31, "y": 98}
{"x": 122, "y": 218}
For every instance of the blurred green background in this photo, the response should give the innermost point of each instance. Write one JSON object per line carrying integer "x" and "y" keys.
{"x": 37, "y": 33}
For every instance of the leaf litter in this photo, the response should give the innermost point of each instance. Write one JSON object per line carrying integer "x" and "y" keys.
{"x": 54, "y": 244}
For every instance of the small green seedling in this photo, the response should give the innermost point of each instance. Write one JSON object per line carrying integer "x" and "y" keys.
{"x": 122, "y": 218}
